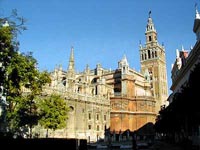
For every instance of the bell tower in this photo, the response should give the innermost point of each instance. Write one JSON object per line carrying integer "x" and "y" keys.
{"x": 152, "y": 59}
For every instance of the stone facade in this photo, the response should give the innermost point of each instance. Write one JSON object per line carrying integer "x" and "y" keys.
{"x": 117, "y": 99}
{"x": 132, "y": 104}
{"x": 88, "y": 97}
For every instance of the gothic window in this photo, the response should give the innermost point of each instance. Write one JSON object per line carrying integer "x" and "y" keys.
{"x": 94, "y": 80}
{"x": 96, "y": 90}
{"x": 117, "y": 90}
{"x": 152, "y": 54}
{"x": 149, "y": 54}
{"x": 89, "y": 116}
{"x": 124, "y": 69}
{"x": 145, "y": 56}
{"x": 104, "y": 117}
{"x": 150, "y": 39}
{"x": 89, "y": 126}
{"x": 151, "y": 78}
{"x": 97, "y": 116}
{"x": 64, "y": 81}
{"x": 155, "y": 53}
{"x": 97, "y": 127}
{"x": 79, "y": 89}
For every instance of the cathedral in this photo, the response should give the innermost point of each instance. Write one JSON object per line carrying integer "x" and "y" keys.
{"x": 117, "y": 99}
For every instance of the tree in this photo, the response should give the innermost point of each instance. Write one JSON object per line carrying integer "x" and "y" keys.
{"x": 25, "y": 83}
{"x": 18, "y": 73}
{"x": 9, "y": 28}
{"x": 53, "y": 112}
{"x": 8, "y": 48}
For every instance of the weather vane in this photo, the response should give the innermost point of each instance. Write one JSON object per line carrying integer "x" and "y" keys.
{"x": 150, "y": 14}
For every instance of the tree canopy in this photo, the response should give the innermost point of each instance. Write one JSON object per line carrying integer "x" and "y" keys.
{"x": 53, "y": 111}
{"x": 22, "y": 84}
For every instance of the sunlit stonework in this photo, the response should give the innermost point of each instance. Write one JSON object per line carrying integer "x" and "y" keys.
{"x": 117, "y": 99}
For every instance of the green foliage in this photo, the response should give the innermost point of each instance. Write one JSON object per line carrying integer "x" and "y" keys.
{"x": 23, "y": 75}
{"x": 23, "y": 115}
{"x": 18, "y": 73}
{"x": 23, "y": 84}
{"x": 53, "y": 112}
{"x": 8, "y": 43}
{"x": 6, "y": 51}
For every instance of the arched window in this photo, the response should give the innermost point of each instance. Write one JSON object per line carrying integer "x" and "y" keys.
{"x": 97, "y": 117}
{"x": 155, "y": 53}
{"x": 96, "y": 90}
{"x": 152, "y": 54}
{"x": 89, "y": 116}
{"x": 149, "y": 54}
{"x": 97, "y": 127}
{"x": 79, "y": 89}
{"x": 149, "y": 38}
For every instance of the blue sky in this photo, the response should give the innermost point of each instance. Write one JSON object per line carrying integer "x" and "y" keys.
{"x": 101, "y": 31}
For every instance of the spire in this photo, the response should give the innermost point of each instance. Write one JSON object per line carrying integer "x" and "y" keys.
{"x": 71, "y": 61}
{"x": 150, "y": 25}
{"x": 123, "y": 65}
{"x": 197, "y": 16}
{"x": 151, "y": 34}
{"x": 124, "y": 60}
{"x": 87, "y": 69}
{"x": 140, "y": 44}
{"x": 182, "y": 48}
{"x": 177, "y": 53}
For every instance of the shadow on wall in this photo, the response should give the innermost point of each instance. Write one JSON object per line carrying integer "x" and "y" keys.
{"x": 146, "y": 133}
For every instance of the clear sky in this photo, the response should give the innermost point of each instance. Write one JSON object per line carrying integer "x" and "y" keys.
{"x": 101, "y": 31}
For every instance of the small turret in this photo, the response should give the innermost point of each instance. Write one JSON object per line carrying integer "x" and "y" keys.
{"x": 123, "y": 65}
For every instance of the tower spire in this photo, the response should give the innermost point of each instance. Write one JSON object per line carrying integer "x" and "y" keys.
{"x": 71, "y": 68}
{"x": 150, "y": 25}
